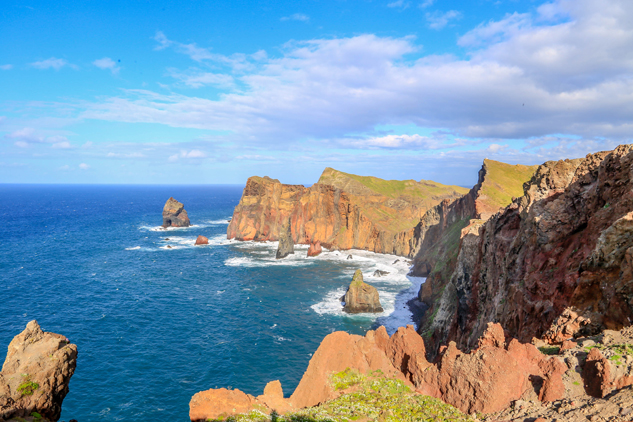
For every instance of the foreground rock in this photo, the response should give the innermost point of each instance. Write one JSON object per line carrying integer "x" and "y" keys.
{"x": 174, "y": 214}
{"x": 486, "y": 380}
{"x": 36, "y": 373}
{"x": 286, "y": 244}
{"x": 342, "y": 211}
{"x": 315, "y": 249}
{"x": 361, "y": 297}
{"x": 201, "y": 240}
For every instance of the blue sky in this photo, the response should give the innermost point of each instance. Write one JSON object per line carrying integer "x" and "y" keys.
{"x": 214, "y": 92}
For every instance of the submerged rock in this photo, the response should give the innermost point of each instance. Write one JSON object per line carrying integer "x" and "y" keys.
{"x": 174, "y": 214}
{"x": 201, "y": 240}
{"x": 36, "y": 373}
{"x": 349, "y": 257}
{"x": 380, "y": 273}
{"x": 361, "y": 297}
{"x": 286, "y": 244}
{"x": 315, "y": 249}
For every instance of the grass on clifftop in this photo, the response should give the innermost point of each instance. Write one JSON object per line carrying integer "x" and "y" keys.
{"x": 504, "y": 181}
{"x": 370, "y": 398}
{"x": 389, "y": 188}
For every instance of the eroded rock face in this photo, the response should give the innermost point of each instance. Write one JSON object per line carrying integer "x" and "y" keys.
{"x": 201, "y": 240}
{"x": 174, "y": 214}
{"x": 36, "y": 373}
{"x": 213, "y": 404}
{"x": 315, "y": 248}
{"x": 566, "y": 243}
{"x": 286, "y": 244}
{"x": 339, "y": 212}
{"x": 361, "y": 297}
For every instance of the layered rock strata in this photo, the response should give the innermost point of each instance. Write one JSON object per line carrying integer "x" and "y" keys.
{"x": 174, "y": 214}
{"x": 567, "y": 242}
{"x": 361, "y": 297}
{"x": 36, "y": 373}
{"x": 342, "y": 211}
{"x": 286, "y": 245}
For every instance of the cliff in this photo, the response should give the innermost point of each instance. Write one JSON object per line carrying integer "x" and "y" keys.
{"x": 341, "y": 211}
{"x": 568, "y": 241}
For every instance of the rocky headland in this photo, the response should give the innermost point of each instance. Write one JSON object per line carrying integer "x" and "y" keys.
{"x": 174, "y": 214}
{"x": 35, "y": 375}
{"x": 566, "y": 242}
{"x": 341, "y": 211}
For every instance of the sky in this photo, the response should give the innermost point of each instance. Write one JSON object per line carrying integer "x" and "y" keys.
{"x": 205, "y": 92}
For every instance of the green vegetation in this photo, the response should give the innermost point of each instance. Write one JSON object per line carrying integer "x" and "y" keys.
{"x": 504, "y": 181}
{"x": 28, "y": 387}
{"x": 390, "y": 188}
{"x": 549, "y": 350}
{"x": 373, "y": 397}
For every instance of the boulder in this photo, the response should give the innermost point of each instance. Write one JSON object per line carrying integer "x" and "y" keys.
{"x": 286, "y": 244}
{"x": 36, "y": 373}
{"x": 220, "y": 403}
{"x": 174, "y": 214}
{"x": 349, "y": 257}
{"x": 380, "y": 273}
{"x": 565, "y": 327}
{"x": 201, "y": 240}
{"x": 315, "y": 248}
{"x": 597, "y": 374}
{"x": 273, "y": 398}
{"x": 361, "y": 297}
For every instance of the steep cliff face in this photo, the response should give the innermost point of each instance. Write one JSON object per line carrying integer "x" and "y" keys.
{"x": 375, "y": 214}
{"x": 567, "y": 242}
{"x": 442, "y": 230}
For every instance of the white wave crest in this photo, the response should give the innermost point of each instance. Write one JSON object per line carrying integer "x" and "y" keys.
{"x": 134, "y": 248}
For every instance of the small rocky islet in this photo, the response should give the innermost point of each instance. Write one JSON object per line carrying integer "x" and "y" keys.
{"x": 529, "y": 287}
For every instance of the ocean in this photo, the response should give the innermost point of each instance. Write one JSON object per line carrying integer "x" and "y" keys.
{"x": 153, "y": 324}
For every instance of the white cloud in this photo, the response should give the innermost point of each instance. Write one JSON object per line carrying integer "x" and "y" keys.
{"x": 51, "y": 63}
{"x": 402, "y": 141}
{"x": 193, "y": 154}
{"x": 107, "y": 63}
{"x": 400, "y": 4}
{"x": 61, "y": 145}
{"x": 438, "y": 20}
{"x": 525, "y": 77}
{"x": 196, "y": 78}
{"x": 6, "y": 67}
{"x": 65, "y": 168}
{"x": 84, "y": 166}
{"x": 125, "y": 155}
{"x": 296, "y": 17}
{"x": 426, "y": 3}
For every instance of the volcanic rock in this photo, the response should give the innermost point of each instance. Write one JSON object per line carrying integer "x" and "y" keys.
{"x": 286, "y": 244}
{"x": 361, "y": 297}
{"x": 565, "y": 243}
{"x": 174, "y": 214}
{"x": 201, "y": 240}
{"x": 380, "y": 273}
{"x": 220, "y": 403}
{"x": 315, "y": 248}
{"x": 565, "y": 327}
{"x": 342, "y": 211}
{"x": 350, "y": 257}
{"x": 36, "y": 373}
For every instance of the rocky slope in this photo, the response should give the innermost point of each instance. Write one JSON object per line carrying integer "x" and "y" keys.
{"x": 567, "y": 242}
{"x": 35, "y": 374}
{"x": 341, "y": 211}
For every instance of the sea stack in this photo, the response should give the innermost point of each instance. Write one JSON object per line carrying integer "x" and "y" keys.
{"x": 315, "y": 249}
{"x": 201, "y": 240}
{"x": 361, "y": 297}
{"x": 286, "y": 244}
{"x": 174, "y": 214}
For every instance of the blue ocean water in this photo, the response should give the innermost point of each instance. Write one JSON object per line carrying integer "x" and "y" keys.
{"x": 154, "y": 325}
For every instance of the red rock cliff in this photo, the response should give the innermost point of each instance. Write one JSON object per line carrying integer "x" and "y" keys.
{"x": 343, "y": 211}
{"x": 567, "y": 242}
